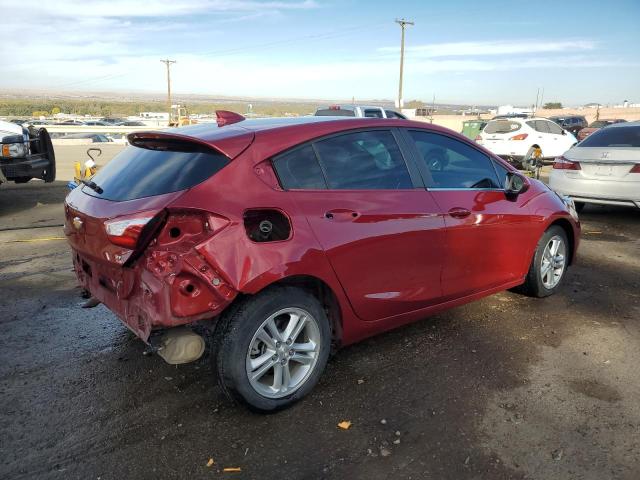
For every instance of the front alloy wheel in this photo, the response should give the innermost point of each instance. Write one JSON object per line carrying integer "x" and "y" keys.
{"x": 553, "y": 262}
{"x": 549, "y": 264}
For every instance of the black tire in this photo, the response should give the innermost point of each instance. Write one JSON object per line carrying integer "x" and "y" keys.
{"x": 45, "y": 145}
{"x": 579, "y": 206}
{"x": 232, "y": 339}
{"x": 21, "y": 179}
{"x": 533, "y": 285}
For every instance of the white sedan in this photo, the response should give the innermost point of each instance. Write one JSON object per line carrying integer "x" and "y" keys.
{"x": 603, "y": 169}
{"x": 517, "y": 138}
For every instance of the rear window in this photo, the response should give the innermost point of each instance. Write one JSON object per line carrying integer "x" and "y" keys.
{"x": 501, "y": 126}
{"x": 329, "y": 112}
{"x": 614, "y": 137}
{"x": 373, "y": 113}
{"x": 166, "y": 167}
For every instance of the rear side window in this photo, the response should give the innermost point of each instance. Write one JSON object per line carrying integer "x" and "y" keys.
{"x": 541, "y": 126}
{"x": 392, "y": 114}
{"x": 501, "y": 126}
{"x": 330, "y": 112}
{"x": 363, "y": 161}
{"x": 299, "y": 170}
{"x": 553, "y": 127}
{"x": 454, "y": 164}
{"x": 165, "y": 167}
{"x": 614, "y": 137}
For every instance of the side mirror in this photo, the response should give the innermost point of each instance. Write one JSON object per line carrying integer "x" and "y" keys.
{"x": 515, "y": 184}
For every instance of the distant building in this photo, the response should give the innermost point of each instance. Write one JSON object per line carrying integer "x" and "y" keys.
{"x": 417, "y": 112}
{"x": 510, "y": 109}
{"x": 626, "y": 104}
{"x": 155, "y": 115}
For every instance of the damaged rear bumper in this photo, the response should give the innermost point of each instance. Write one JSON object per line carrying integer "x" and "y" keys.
{"x": 163, "y": 289}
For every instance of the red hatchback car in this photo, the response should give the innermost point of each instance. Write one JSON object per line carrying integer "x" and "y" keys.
{"x": 287, "y": 237}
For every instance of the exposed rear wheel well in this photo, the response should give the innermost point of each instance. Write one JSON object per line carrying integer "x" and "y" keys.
{"x": 325, "y": 294}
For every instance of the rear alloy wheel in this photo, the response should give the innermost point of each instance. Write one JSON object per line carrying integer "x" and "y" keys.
{"x": 549, "y": 264}
{"x": 271, "y": 348}
{"x": 283, "y": 352}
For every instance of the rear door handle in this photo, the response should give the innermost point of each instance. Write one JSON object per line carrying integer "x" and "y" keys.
{"x": 341, "y": 214}
{"x": 459, "y": 212}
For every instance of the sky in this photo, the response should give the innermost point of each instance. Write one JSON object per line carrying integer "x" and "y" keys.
{"x": 477, "y": 52}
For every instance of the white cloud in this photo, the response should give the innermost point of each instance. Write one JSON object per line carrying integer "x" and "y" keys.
{"x": 489, "y": 48}
{"x": 151, "y": 8}
{"x": 83, "y": 45}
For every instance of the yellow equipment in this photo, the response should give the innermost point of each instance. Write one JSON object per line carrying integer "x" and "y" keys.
{"x": 179, "y": 117}
{"x": 90, "y": 167}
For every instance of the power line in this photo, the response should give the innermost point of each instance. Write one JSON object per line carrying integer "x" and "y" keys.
{"x": 294, "y": 40}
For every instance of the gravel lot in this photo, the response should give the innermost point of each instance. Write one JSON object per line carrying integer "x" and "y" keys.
{"x": 506, "y": 387}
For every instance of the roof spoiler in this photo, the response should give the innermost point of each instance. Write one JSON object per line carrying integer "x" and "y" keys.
{"x": 225, "y": 117}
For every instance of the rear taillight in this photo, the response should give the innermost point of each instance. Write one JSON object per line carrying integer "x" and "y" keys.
{"x": 635, "y": 169}
{"x": 562, "y": 163}
{"x": 126, "y": 233}
{"x": 522, "y": 136}
{"x": 478, "y": 138}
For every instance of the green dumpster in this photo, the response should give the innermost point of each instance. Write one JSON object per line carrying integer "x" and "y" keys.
{"x": 471, "y": 128}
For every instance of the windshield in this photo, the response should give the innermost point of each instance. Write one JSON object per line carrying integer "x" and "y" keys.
{"x": 501, "y": 126}
{"x": 144, "y": 172}
{"x": 614, "y": 137}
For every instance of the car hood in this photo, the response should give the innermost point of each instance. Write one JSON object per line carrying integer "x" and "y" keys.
{"x": 9, "y": 129}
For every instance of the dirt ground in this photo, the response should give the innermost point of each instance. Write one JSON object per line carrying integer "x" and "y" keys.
{"x": 506, "y": 387}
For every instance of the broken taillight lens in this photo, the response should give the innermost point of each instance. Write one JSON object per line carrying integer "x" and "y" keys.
{"x": 126, "y": 233}
{"x": 562, "y": 163}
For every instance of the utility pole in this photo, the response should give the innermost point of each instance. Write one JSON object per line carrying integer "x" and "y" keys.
{"x": 168, "y": 63}
{"x": 403, "y": 23}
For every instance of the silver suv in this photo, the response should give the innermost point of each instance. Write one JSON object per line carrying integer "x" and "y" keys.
{"x": 357, "y": 111}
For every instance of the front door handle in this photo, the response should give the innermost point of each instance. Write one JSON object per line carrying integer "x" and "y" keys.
{"x": 341, "y": 214}
{"x": 459, "y": 212}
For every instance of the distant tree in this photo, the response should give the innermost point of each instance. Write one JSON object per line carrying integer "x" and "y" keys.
{"x": 55, "y": 110}
{"x": 552, "y": 106}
